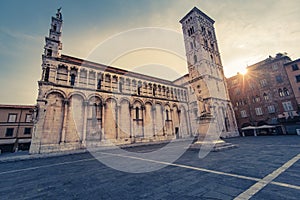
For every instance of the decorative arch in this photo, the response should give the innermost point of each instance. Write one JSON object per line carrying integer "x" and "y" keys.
{"x": 174, "y": 105}
{"x": 167, "y": 104}
{"x": 53, "y": 121}
{"x": 94, "y": 117}
{"x": 62, "y": 93}
{"x": 62, "y": 74}
{"x": 124, "y": 99}
{"x": 77, "y": 93}
{"x": 95, "y": 95}
{"x": 111, "y": 98}
{"x": 137, "y": 101}
{"x": 75, "y": 120}
{"x": 149, "y": 102}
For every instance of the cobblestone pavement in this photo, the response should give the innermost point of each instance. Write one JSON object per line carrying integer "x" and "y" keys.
{"x": 265, "y": 167}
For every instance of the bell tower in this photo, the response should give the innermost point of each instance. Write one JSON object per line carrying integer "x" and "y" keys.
{"x": 206, "y": 76}
{"x": 53, "y": 44}
{"x": 52, "y": 48}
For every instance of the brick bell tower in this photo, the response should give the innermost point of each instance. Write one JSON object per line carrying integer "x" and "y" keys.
{"x": 207, "y": 86}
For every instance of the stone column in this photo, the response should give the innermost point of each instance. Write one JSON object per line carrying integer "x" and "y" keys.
{"x": 77, "y": 78}
{"x": 163, "y": 121}
{"x": 110, "y": 84}
{"x": 172, "y": 123}
{"x": 117, "y": 121}
{"x": 85, "y": 106}
{"x": 87, "y": 78}
{"x": 131, "y": 120}
{"x": 153, "y": 119}
{"x": 143, "y": 122}
{"x": 68, "y": 76}
{"x": 179, "y": 122}
{"x": 96, "y": 81}
{"x": 65, "y": 118}
{"x": 102, "y": 135}
{"x": 189, "y": 123}
{"x": 36, "y": 141}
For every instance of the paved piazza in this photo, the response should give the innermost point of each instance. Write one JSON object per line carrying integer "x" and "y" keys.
{"x": 265, "y": 167}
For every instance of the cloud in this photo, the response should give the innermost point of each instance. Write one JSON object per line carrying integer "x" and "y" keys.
{"x": 19, "y": 35}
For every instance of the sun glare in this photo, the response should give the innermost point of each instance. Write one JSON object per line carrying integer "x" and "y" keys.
{"x": 243, "y": 71}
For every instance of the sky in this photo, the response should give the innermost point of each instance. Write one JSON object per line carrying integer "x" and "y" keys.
{"x": 248, "y": 31}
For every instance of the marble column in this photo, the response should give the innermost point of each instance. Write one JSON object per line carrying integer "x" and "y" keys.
{"x": 85, "y": 106}
{"x": 65, "y": 118}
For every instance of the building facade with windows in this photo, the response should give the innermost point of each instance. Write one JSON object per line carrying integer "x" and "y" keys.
{"x": 16, "y": 127}
{"x": 85, "y": 104}
{"x": 264, "y": 96}
{"x": 293, "y": 71}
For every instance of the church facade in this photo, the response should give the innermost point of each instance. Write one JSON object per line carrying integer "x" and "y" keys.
{"x": 84, "y": 104}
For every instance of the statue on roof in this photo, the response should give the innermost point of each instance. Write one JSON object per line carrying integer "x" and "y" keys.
{"x": 58, "y": 14}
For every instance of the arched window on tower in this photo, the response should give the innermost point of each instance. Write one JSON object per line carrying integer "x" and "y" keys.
{"x": 54, "y": 27}
{"x": 212, "y": 46}
{"x": 49, "y": 52}
{"x": 195, "y": 59}
{"x": 211, "y": 58}
{"x": 205, "y": 43}
{"x": 72, "y": 81}
{"x": 47, "y": 73}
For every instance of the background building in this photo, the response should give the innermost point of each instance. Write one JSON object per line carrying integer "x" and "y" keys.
{"x": 293, "y": 71}
{"x": 16, "y": 126}
{"x": 264, "y": 96}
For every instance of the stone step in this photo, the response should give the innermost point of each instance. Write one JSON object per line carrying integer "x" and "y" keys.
{"x": 224, "y": 146}
{"x": 218, "y": 145}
